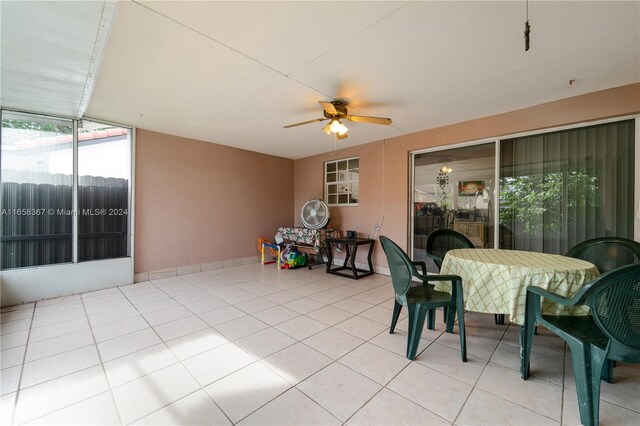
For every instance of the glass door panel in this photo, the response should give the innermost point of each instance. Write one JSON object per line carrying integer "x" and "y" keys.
{"x": 561, "y": 188}
{"x": 453, "y": 189}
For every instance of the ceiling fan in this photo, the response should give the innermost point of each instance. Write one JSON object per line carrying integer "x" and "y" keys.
{"x": 337, "y": 110}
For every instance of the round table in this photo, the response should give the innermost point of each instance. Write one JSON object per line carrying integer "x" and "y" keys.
{"x": 495, "y": 281}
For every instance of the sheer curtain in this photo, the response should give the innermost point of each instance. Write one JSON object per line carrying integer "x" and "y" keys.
{"x": 559, "y": 189}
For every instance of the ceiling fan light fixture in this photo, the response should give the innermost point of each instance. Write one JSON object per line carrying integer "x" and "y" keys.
{"x": 334, "y": 111}
{"x": 336, "y": 126}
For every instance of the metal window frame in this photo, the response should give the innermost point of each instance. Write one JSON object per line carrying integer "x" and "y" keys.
{"x": 131, "y": 222}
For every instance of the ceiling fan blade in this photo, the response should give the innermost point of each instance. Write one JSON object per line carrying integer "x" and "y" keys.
{"x": 328, "y": 107}
{"x": 327, "y": 129}
{"x": 372, "y": 120}
{"x": 305, "y": 122}
{"x": 346, "y": 135}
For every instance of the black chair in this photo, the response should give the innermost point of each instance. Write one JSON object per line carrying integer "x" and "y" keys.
{"x": 611, "y": 331}
{"x": 422, "y": 299}
{"x": 440, "y": 241}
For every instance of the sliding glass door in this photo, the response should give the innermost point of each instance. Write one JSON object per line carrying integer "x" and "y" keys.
{"x": 454, "y": 188}
{"x": 555, "y": 189}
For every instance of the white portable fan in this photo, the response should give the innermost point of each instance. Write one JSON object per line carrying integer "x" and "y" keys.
{"x": 315, "y": 214}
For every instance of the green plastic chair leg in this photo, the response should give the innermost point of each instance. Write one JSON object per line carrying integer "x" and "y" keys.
{"x": 588, "y": 361}
{"x": 444, "y": 314}
{"x": 450, "y": 319}
{"x": 417, "y": 316}
{"x": 527, "y": 332}
{"x": 607, "y": 371}
{"x": 463, "y": 335}
{"x": 397, "y": 307}
{"x": 431, "y": 319}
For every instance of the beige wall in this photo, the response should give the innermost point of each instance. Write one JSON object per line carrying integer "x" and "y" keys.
{"x": 198, "y": 202}
{"x": 389, "y": 197}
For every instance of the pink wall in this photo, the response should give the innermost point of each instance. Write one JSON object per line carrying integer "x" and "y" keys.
{"x": 198, "y": 202}
{"x": 389, "y": 197}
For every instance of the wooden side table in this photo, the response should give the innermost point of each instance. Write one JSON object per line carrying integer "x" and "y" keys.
{"x": 351, "y": 248}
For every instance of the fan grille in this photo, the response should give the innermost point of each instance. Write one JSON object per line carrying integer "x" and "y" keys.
{"x": 315, "y": 214}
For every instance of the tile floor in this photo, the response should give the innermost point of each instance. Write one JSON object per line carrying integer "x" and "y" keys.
{"x": 254, "y": 345}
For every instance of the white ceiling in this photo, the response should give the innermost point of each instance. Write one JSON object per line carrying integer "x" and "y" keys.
{"x": 50, "y": 54}
{"x": 235, "y": 72}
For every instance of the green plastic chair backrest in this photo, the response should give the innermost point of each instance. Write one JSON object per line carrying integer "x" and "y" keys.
{"x": 440, "y": 241}
{"x": 614, "y": 299}
{"x": 400, "y": 266}
{"x": 607, "y": 253}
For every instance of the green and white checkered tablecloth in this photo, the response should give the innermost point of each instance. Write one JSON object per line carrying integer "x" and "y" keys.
{"x": 495, "y": 281}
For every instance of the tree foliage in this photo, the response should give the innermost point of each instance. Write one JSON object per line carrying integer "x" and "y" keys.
{"x": 537, "y": 202}
{"x": 40, "y": 127}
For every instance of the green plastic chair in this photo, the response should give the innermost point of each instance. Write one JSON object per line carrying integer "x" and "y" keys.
{"x": 607, "y": 253}
{"x": 610, "y": 332}
{"x": 422, "y": 299}
{"x": 440, "y": 241}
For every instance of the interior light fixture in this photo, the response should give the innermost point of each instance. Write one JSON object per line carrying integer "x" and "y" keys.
{"x": 445, "y": 169}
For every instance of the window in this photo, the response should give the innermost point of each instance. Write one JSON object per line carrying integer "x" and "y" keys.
{"x": 104, "y": 172}
{"x": 42, "y": 198}
{"x": 341, "y": 185}
{"x": 37, "y": 190}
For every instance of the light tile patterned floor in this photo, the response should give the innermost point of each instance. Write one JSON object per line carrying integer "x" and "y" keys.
{"x": 254, "y": 345}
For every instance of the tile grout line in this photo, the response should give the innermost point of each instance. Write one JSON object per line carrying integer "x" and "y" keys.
{"x": 24, "y": 356}
{"x": 333, "y": 361}
{"x": 395, "y": 376}
{"x": 346, "y": 366}
{"x": 171, "y": 297}
{"x": 104, "y": 370}
{"x": 252, "y": 315}
{"x": 491, "y": 393}
{"x": 326, "y": 366}
{"x": 298, "y": 341}
{"x": 353, "y": 315}
{"x": 179, "y": 361}
{"x": 564, "y": 369}
{"x": 504, "y": 333}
